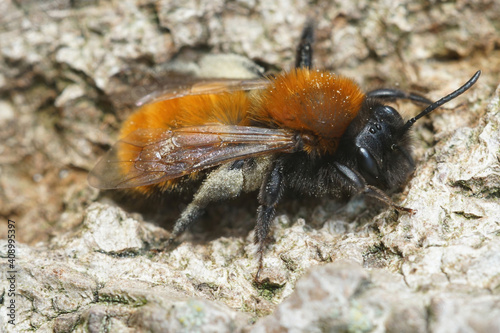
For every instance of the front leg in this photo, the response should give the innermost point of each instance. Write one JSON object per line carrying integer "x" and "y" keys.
{"x": 353, "y": 179}
{"x": 395, "y": 94}
{"x": 270, "y": 193}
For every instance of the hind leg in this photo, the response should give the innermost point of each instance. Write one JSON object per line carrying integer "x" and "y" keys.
{"x": 224, "y": 183}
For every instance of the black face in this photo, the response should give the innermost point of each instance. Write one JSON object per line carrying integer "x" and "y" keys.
{"x": 381, "y": 147}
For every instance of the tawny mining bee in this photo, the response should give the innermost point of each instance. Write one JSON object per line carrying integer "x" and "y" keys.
{"x": 303, "y": 130}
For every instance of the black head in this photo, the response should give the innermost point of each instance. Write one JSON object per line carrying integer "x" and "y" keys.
{"x": 381, "y": 147}
{"x": 381, "y": 142}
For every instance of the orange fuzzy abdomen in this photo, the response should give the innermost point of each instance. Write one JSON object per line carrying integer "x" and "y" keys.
{"x": 311, "y": 101}
{"x": 194, "y": 110}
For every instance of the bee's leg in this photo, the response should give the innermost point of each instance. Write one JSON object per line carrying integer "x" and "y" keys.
{"x": 270, "y": 192}
{"x": 304, "y": 50}
{"x": 394, "y": 94}
{"x": 355, "y": 180}
{"x": 226, "y": 182}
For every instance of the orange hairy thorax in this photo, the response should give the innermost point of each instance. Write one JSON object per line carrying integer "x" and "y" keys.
{"x": 311, "y": 101}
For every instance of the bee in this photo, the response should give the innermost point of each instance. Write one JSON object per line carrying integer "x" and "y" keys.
{"x": 304, "y": 130}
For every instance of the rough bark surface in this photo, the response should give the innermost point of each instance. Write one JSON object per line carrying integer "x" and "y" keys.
{"x": 70, "y": 72}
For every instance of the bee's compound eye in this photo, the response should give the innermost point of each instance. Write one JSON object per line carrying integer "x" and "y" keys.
{"x": 388, "y": 111}
{"x": 367, "y": 163}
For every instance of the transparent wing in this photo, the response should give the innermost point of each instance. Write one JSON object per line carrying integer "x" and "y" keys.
{"x": 150, "y": 156}
{"x": 203, "y": 87}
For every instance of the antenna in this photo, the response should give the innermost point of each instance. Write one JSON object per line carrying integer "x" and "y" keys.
{"x": 443, "y": 100}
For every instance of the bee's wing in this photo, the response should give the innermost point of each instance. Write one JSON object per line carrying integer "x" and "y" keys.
{"x": 150, "y": 156}
{"x": 215, "y": 86}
